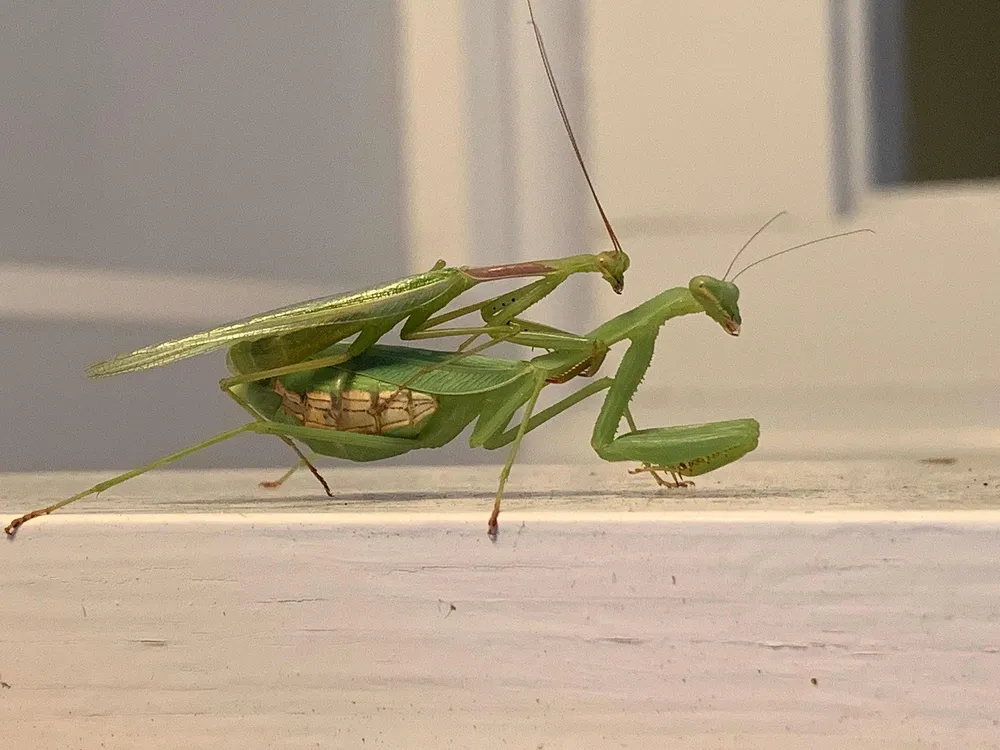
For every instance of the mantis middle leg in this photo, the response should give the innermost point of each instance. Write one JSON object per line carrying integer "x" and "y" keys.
{"x": 490, "y": 431}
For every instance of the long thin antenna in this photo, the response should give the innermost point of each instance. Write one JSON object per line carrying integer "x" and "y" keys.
{"x": 569, "y": 128}
{"x": 799, "y": 247}
{"x": 753, "y": 236}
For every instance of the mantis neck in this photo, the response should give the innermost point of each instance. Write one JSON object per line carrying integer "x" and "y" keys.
{"x": 648, "y": 316}
{"x": 572, "y": 264}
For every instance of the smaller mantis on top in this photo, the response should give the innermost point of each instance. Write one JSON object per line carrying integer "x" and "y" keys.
{"x": 286, "y": 340}
{"x": 279, "y": 341}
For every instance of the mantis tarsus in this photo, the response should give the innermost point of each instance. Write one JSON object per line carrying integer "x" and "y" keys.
{"x": 359, "y": 409}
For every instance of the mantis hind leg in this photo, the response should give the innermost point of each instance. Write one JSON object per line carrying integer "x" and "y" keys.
{"x": 260, "y": 427}
{"x": 273, "y": 484}
{"x": 13, "y": 526}
{"x": 235, "y": 393}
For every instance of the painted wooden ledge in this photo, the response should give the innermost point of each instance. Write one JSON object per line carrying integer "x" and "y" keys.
{"x": 777, "y": 605}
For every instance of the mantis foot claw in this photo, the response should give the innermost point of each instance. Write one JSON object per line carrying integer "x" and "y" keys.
{"x": 678, "y": 481}
{"x": 11, "y": 529}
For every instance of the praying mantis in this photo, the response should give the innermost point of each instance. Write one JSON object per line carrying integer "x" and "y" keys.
{"x": 390, "y": 400}
{"x": 363, "y": 401}
{"x": 286, "y": 340}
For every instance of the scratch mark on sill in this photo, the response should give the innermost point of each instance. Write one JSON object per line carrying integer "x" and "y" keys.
{"x": 619, "y": 639}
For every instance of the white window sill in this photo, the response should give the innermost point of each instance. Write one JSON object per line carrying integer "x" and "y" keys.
{"x": 216, "y": 614}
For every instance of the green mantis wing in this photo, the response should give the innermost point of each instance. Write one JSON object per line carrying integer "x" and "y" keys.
{"x": 435, "y": 372}
{"x": 395, "y": 300}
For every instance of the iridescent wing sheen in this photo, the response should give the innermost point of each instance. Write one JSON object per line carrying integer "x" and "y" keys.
{"x": 437, "y": 372}
{"x": 394, "y": 301}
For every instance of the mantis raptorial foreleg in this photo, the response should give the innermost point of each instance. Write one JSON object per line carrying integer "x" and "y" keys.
{"x": 500, "y": 313}
{"x": 684, "y": 450}
{"x": 496, "y": 311}
{"x": 687, "y": 450}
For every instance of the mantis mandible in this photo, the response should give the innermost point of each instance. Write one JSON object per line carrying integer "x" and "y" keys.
{"x": 287, "y": 340}
{"x": 390, "y": 400}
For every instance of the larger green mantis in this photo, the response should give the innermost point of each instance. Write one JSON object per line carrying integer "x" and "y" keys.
{"x": 388, "y": 400}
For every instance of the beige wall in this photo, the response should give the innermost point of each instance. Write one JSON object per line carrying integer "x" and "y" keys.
{"x": 705, "y": 120}
{"x": 710, "y": 109}
{"x": 168, "y": 167}
{"x": 434, "y": 84}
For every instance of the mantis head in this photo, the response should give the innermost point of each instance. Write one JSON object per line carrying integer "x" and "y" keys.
{"x": 720, "y": 300}
{"x": 612, "y": 264}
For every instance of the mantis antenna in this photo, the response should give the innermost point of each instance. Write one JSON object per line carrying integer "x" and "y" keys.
{"x": 799, "y": 247}
{"x": 569, "y": 128}
{"x": 753, "y": 236}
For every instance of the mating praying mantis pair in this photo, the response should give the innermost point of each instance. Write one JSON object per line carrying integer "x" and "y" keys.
{"x": 295, "y": 372}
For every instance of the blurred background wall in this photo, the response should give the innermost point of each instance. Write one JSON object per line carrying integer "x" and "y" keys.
{"x": 170, "y": 166}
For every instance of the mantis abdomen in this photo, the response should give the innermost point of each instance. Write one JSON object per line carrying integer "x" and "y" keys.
{"x": 366, "y": 412}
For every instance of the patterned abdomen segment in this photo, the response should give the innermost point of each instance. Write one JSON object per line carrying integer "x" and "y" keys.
{"x": 358, "y": 411}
